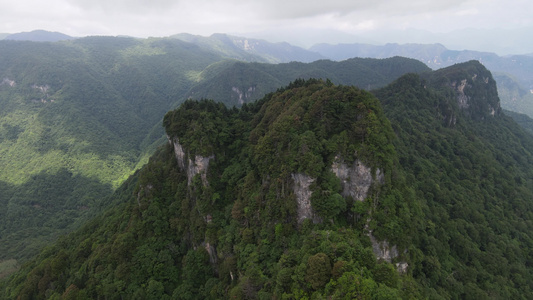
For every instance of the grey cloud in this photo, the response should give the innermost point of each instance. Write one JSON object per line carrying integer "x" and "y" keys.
{"x": 279, "y": 9}
{"x": 125, "y": 6}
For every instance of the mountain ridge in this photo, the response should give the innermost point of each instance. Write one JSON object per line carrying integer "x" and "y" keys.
{"x": 252, "y": 50}
{"x": 251, "y": 202}
{"x": 89, "y": 111}
{"x": 38, "y": 36}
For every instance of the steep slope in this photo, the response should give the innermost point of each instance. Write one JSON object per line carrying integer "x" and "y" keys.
{"x": 514, "y": 96}
{"x": 472, "y": 169}
{"x": 310, "y": 193}
{"x": 298, "y": 194}
{"x": 261, "y": 202}
{"x": 521, "y": 119}
{"x": 76, "y": 119}
{"x": 235, "y": 83}
{"x": 512, "y": 73}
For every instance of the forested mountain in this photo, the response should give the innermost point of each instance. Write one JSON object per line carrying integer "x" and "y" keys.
{"x": 512, "y": 73}
{"x": 250, "y": 50}
{"x": 78, "y": 117}
{"x": 38, "y": 36}
{"x": 521, "y": 119}
{"x": 235, "y": 83}
{"x": 471, "y": 168}
{"x": 316, "y": 191}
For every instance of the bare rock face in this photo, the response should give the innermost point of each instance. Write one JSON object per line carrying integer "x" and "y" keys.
{"x": 383, "y": 250}
{"x": 9, "y": 82}
{"x": 476, "y": 94}
{"x": 211, "y": 250}
{"x": 178, "y": 151}
{"x": 198, "y": 166}
{"x": 243, "y": 95}
{"x": 356, "y": 179}
{"x": 462, "y": 98}
{"x": 303, "y": 197}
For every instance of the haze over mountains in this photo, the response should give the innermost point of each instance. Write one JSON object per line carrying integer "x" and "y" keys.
{"x": 281, "y": 185}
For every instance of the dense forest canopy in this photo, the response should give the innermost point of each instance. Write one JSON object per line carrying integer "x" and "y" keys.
{"x": 237, "y": 223}
{"x": 420, "y": 189}
{"x": 78, "y": 117}
{"x": 258, "y": 202}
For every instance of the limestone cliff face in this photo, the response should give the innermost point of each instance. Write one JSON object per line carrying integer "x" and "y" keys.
{"x": 474, "y": 87}
{"x": 243, "y": 95}
{"x": 383, "y": 250}
{"x": 178, "y": 152}
{"x": 303, "y": 197}
{"x": 198, "y": 166}
{"x": 356, "y": 179}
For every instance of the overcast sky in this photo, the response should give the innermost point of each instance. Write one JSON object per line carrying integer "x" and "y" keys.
{"x": 144, "y": 18}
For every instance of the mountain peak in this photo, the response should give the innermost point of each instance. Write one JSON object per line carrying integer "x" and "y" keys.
{"x": 474, "y": 88}
{"x": 39, "y": 36}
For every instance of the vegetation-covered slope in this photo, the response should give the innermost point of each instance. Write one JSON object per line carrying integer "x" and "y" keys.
{"x": 246, "y": 203}
{"x": 512, "y": 73}
{"x": 473, "y": 175}
{"x": 521, "y": 119}
{"x": 235, "y": 83}
{"x": 250, "y": 50}
{"x": 311, "y": 192}
{"x": 76, "y": 119}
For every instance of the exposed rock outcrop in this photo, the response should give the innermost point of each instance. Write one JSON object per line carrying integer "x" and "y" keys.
{"x": 356, "y": 179}
{"x": 382, "y": 249}
{"x": 198, "y": 166}
{"x": 475, "y": 90}
{"x": 303, "y": 197}
{"x": 211, "y": 250}
{"x": 462, "y": 98}
{"x": 7, "y": 81}
{"x": 243, "y": 96}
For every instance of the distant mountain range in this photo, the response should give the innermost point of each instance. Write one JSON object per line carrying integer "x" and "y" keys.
{"x": 453, "y": 175}
{"x": 247, "y": 49}
{"x": 38, "y": 36}
{"x": 512, "y": 73}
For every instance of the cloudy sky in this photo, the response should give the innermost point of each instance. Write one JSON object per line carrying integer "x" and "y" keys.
{"x": 311, "y": 20}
